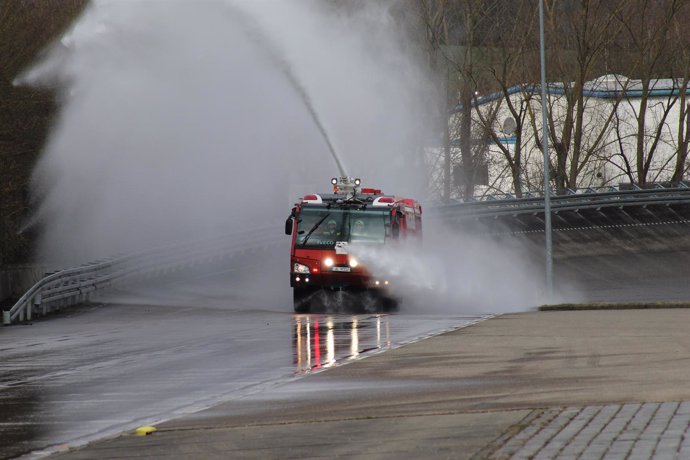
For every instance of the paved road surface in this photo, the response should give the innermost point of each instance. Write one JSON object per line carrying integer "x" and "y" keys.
{"x": 101, "y": 370}
{"x": 587, "y": 384}
{"x": 104, "y": 369}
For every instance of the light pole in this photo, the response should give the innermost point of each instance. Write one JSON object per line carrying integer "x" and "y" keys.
{"x": 545, "y": 148}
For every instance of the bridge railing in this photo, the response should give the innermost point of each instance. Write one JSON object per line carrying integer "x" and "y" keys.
{"x": 580, "y": 199}
{"x": 76, "y": 285}
{"x": 623, "y": 187}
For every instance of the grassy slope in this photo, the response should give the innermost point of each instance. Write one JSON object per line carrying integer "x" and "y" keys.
{"x": 26, "y": 28}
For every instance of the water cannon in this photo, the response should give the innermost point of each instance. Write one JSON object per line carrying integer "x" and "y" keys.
{"x": 348, "y": 186}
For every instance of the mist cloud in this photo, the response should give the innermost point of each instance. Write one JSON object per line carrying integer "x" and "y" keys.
{"x": 177, "y": 124}
{"x": 186, "y": 120}
{"x": 451, "y": 272}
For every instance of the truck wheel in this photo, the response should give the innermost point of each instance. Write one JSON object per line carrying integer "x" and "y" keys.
{"x": 390, "y": 304}
{"x": 302, "y": 299}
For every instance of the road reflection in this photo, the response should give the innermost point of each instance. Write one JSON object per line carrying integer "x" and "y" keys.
{"x": 322, "y": 341}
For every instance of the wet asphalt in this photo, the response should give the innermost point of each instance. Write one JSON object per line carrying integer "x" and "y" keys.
{"x": 461, "y": 394}
{"x": 99, "y": 370}
{"x": 246, "y": 382}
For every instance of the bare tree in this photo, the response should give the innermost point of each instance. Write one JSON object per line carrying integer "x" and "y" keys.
{"x": 460, "y": 36}
{"x": 681, "y": 67}
{"x": 648, "y": 24}
{"x": 513, "y": 64}
{"x": 595, "y": 115}
{"x": 434, "y": 18}
{"x": 26, "y": 27}
{"x": 580, "y": 32}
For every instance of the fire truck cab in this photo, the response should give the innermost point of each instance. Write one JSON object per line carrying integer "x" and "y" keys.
{"x": 322, "y": 227}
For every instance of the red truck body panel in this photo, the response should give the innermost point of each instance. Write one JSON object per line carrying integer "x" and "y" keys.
{"x": 323, "y": 225}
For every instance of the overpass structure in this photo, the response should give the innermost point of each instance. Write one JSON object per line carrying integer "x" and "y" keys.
{"x": 628, "y": 235}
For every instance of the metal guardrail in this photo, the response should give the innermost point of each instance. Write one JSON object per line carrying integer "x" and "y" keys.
{"x": 587, "y": 198}
{"x": 623, "y": 187}
{"x": 76, "y": 285}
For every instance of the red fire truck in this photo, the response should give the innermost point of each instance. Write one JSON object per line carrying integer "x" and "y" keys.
{"x": 324, "y": 225}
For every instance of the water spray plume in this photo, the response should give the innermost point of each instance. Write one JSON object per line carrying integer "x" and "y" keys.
{"x": 186, "y": 120}
{"x": 452, "y": 273}
{"x": 171, "y": 112}
{"x": 252, "y": 29}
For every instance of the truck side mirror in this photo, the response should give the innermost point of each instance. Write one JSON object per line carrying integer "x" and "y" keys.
{"x": 288, "y": 226}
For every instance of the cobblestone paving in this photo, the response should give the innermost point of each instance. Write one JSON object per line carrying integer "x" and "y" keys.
{"x": 628, "y": 431}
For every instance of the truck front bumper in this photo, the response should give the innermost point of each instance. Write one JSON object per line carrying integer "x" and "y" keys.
{"x": 334, "y": 280}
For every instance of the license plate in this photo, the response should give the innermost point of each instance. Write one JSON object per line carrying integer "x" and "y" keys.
{"x": 340, "y": 269}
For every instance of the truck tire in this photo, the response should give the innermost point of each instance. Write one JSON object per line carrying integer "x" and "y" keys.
{"x": 390, "y": 304}
{"x": 302, "y": 299}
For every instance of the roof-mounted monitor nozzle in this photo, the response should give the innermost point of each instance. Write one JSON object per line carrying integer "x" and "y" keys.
{"x": 347, "y": 186}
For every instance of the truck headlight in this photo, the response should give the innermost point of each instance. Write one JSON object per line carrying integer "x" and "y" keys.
{"x": 353, "y": 262}
{"x": 300, "y": 268}
{"x": 328, "y": 262}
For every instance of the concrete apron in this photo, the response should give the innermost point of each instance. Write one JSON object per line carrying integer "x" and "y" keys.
{"x": 457, "y": 395}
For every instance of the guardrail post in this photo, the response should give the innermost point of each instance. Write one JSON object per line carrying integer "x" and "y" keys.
{"x": 29, "y": 308}
{"x": 6, "y": 318}
{"x": 36, "y": 303}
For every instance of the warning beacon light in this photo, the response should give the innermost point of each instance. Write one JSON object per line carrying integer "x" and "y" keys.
{"x": 346, "y": 185}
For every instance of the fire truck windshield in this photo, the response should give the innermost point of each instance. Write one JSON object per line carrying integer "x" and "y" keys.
{"x": 323, "y": 227}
